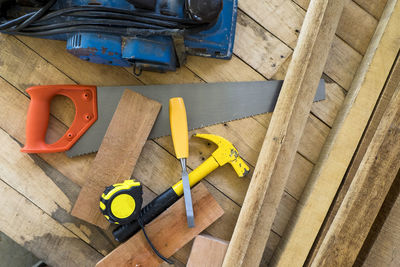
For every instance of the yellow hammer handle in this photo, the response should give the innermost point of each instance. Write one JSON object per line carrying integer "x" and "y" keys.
{"x": 179, "y": 128}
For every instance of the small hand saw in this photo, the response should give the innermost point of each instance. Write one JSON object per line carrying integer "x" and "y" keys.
{"x": 207, "y": 104}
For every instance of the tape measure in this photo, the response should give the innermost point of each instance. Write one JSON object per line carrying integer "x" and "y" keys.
{"x": 121, "y": 203}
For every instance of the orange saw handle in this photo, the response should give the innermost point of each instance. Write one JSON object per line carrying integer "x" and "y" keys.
{"x": 85, "y": 101}
{"x": 179, "y": 127}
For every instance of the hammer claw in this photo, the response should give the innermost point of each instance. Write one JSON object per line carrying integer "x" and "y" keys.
{"x": 226, "y": 153}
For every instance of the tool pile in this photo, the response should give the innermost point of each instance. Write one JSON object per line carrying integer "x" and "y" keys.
{"x": 122, "y": 138}
{"x": 348, "y": 185}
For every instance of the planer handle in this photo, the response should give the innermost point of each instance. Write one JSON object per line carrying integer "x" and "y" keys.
{"x": 85, "y": 101}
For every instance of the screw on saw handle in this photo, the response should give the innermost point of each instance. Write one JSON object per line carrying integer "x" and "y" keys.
{"x": 85, "y": 100}
{"x": 179, "y": 128}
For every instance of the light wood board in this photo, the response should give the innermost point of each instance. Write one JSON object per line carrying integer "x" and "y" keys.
{"x": 119, "y": 151}
{"x": 207, "y": 251}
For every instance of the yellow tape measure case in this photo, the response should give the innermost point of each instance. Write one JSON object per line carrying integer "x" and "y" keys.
{"x": 121, "y": 203}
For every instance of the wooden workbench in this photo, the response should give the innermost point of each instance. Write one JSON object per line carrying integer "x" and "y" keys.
{"x": 38, "y": 191}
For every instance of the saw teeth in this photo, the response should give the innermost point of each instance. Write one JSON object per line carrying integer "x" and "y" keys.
{"x": 81, "y": 154}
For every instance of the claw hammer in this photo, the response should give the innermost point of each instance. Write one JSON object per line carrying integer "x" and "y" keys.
{"x": 225, "y": 153}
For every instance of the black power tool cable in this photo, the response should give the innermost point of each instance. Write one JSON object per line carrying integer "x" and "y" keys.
{"x": 16, "y": 21}
{"x": 98, "y": 19}
{"x": 95, "y": 22}
{"x": 35, "y": 16}
{"x": 101, "y": 29}
{"x": 141, "y": 224}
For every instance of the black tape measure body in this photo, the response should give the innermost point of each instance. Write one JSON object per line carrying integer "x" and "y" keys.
{"x": 121, "y": 203}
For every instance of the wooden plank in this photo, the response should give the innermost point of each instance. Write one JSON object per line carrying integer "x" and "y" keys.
{"x": 280, "y": 144}
{"x": 120, "y": 149}
{"x": 283, "y": 19}
{"x": 373, "y": 123}
{"x": 168, "y": 232}
{"x": 366, "y": 193}
{"x": 379, "y": 224}
{"x": 216, "y": 70}
{"x": 385, "y": 250}
{"x": 374, "y": 7}
{"x": 353, "y": 19}
{"x": 356, "y": 26}
{"x": 207, "y": 251}
{"x": 52, "y": 193}
{"x": 342, "y": 141}
{"x": 268, "y": 52}
{"x": 33, "y": 229}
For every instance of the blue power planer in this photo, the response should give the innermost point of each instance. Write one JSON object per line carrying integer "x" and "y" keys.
{"x": 154, "y": 35}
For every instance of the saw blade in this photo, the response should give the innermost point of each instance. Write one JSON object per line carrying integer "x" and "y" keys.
{"x": 206, "y": 104}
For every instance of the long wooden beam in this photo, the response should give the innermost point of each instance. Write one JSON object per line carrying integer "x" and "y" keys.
{"x": 283, "y": 134}
{"x": 366, "y": 193}
{"x": 388, "y": 224}
{"x": 342, "y": 141}
{"x": 376, "y": 117}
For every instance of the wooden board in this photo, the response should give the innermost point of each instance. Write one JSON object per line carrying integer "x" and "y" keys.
{"x": 283, "y": 136}
{"x": 207, "y": 251}
{"x": 366, "y": 193}
{"x": 39, "y": 233}
{"x": 168, "y": 232}
{"x": 53, "y": 193}
{"x": 376, "y": 117}
{"x": 342, "y": 141}
{"x": 384, "y": 250}
{"x": 373, "y": 7}
{"x": 120, "y": 149}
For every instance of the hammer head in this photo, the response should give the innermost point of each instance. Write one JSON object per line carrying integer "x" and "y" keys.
{"x": 226, "y": 153}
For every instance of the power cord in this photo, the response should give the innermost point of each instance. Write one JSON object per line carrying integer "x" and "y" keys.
{"x": 151, "y": 244}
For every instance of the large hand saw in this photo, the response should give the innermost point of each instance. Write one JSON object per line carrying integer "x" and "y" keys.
{"x": 207, "y": 104}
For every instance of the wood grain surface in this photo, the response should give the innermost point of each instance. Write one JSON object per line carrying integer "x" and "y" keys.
{"x": 385, "y": 248}
{"x": 119, "y": 151}
{"x": 168, "y": 232}
{"x": 40, "y": 233}
{"x": 207, "y": 251}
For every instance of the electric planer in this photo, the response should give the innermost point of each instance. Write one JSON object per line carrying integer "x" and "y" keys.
{"x": 154, "y": 35}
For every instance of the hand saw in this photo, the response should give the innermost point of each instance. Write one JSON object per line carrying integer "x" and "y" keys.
{"x": 208, "y": 104}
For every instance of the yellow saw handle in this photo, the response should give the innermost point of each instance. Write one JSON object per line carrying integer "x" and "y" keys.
{"x": 179, "y": 127}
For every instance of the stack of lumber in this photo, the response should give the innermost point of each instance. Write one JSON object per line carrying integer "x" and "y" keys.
{"x": 365, "y": 167}
{"x": 39, "y": 191}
